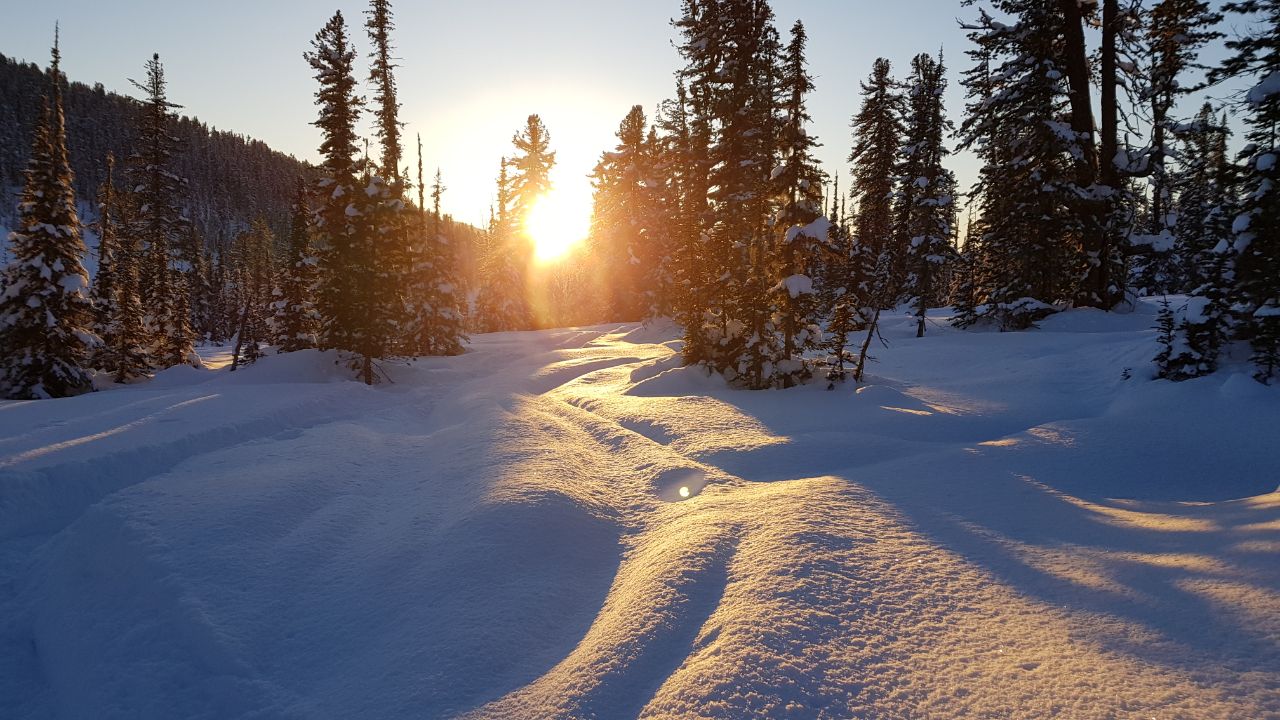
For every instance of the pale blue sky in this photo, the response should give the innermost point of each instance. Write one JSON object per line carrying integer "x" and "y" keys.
{"x": 471, "y": 71}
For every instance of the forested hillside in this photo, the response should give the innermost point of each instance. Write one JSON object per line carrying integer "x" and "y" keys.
{"x": 233, "y": 178}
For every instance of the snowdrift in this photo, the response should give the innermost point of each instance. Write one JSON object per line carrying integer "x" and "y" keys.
{"x": 570, "y": 524}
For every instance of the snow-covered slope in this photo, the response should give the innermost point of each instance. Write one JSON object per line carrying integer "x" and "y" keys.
{"x": 568, "y": 524}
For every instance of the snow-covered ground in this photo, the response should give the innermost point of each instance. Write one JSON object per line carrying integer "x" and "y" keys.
{"x": 996, "y": 525}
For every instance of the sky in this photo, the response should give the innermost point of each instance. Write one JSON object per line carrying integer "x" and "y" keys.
{"x": 471, "y": 72}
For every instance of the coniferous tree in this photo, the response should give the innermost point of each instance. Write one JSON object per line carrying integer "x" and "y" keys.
{"x": 380, "y": 24}
{"x": 253, "y": 261}
{"x": 1018, "y": 122}
{"x": 45, "y": 311}
{"x": 799, "y": 181}
{"x": 105, "y": 284}
{"x": 394, "y": 227}
{"x": 447, "y": 300}
{"x": 1174, "y": 33}
{"x": 1203, "y": 185}
{"x": 691, "y": 126}
{"x": 926, "y": 198}
{"x": 1255, "y": 288}
{"x": 163, "y": 228}
{"x": 347, "y": 299}
{"x": 119, "y": 318}
{"x": 744, "y": 342}
{"x": 626, "y": 229}
{"x": 877, "y": 130}
{"x": 294, "y": 318}
{"x": 502, "y": 303}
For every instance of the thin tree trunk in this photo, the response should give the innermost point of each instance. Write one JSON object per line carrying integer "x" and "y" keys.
{"x": 866, "y": 347}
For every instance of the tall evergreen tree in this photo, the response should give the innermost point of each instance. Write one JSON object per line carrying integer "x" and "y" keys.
{"x": 502, "y": 303}
{"x": 626, "y": 226}
{"x": 162, "y": 226}
{"x": 294, "y": 318}
{"x": 348, "y": 296}
{"x": 119, "y": 318}
{"x": 1018, "y": 123}
{"x": 877, "y": 130}
{"x": 926, "y": 198}
{"x": 45, "y": 311}
{"x": 448, "y": 325}
{"x": 1255, "y": 293}
{"x": 380, "y": 24}
{"x": 252, "y": 252}
{"x": 798, "y": 181}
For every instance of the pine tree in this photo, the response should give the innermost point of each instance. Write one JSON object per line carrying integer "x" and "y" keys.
{"x": 349, "y": 273}
{"x": 524, "y": 178}
{"x": 744, "y": 343}
{"x": 105, "y": 284}
{"x": 45, "y": 311}
{"x": 294, "y": 319}
{"x": 1255, "y": 291}
{"x": 163, "y": 227}
{"x": 502, "y": 304}
{"x": 1203, "y": 185}
{"x": 690, "y": 125}
{"x": 253, "y": 262}
{"x": 626, "y": 228}
{"x": 117, "y": 302}
{"x": 877, "y": 130}
{"x": 448, "y": 305}
{"x": 380, "y": 24}
{"x": 1029, "y": 251}
{"x": 926, "y": 198}
{"x": 394, "y": 226}
{"x": 804, "y": 231}
{"x": 1175, "y": 31}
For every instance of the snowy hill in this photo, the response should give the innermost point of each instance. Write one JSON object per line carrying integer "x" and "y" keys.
{"x": 568, "y": 524}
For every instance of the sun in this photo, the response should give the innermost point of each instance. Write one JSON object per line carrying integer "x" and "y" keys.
{"x": 557, "y": 223}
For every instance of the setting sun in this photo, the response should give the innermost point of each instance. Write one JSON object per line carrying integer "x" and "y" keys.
{"x": 557, "y": 223}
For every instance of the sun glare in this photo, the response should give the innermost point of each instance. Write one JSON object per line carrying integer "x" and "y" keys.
{"x": 557, "y": 224}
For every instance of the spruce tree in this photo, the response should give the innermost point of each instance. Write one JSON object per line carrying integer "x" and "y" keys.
{"x": 877, "y": 130}
{"x": 162, "y": 226}
{"x": 118, "y": 310}
{"x": 926, "y": 198}
{"x": 294, "y": 319}
{"x": 45, "y": 311}
{"x": 626, "y": 228}
{"x": 347, "y": 299}
{"x": 523, "y": 180}
{"x": 798, "y": 181}
{"x": 104, "y": 282}
{"x": 1255, "y": 291}
{"x": 448, "y": 326}
{"x": 502, "y": 304}
{"x": 393, "y": 225}
{"x": 254, "y": 270}
{"x": 1030, "y": 255}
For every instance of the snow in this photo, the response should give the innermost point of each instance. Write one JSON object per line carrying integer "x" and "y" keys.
{"x": 570, "y": 524}
{"x": 1266, "y": 162}
{"x": 1269, "y": 86}
{"x": 797, "y": 285}
{"x": 819, "y": 229}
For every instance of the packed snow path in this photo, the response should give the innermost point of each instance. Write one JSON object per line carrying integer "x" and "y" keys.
{"x": 568, "y": 524}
